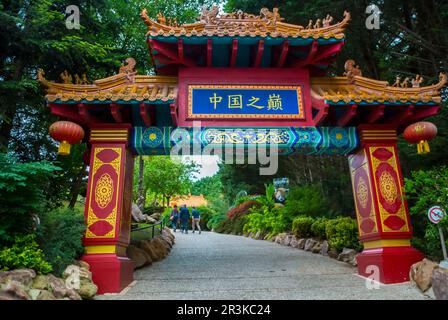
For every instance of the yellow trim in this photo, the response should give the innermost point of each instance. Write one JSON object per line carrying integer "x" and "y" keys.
{"x": 387, "y": 243}
{"x": 109, "y": 131}
{"x": 100, "y": 249}
{"x": 108, "y": 138}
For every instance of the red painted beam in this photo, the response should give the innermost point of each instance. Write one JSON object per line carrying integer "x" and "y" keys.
{"x": 69, "y": 112}
{"x": 323, "y": 110}
{"x": 172, "y": 54}
{"x": 233, "y": 53}
{"x": 115, "y": 110}
{"x": 326, "y": 52}
{"x": 401, "y": 116}
{"x": 376, "y": 114}
{"x": 144, "y": 114}
{"x": 180, "y": 50}
{"x": 311, "y": 55}
{"x": 84, "y": 113}
{"x": 173, "y": 111}
{"x": 209, "y": 52}
{"x": 259, "y": 54}
{"x": 283, "y": 54}
{"x": 422, "y": 113}
{"x": 348, "y": 115}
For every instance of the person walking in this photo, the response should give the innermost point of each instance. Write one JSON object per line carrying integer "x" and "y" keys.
{"x": 196, "y": 217}
{"x": 184, "y": 218}
{"x": 174, "y": 217}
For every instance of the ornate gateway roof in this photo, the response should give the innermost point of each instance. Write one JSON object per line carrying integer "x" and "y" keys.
{"x": 243, "y": 24}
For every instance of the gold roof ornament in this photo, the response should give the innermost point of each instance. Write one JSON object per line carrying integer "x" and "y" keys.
{"x": 239, "y": 23}
{"x": 358, "y": 88}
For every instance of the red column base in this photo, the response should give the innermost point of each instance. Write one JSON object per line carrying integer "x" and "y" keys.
{"x": 110, "y": 272}
{"x": 394, "y": 263}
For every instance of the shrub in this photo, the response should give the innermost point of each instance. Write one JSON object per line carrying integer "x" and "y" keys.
{"x": 24, "y": 253}
{"x": 242, "y": 209}
{"x": 305, "y": 200}
{"x": 206, "y": 214}
{"x": 22, "y": 187}
{"x": 301, "y": 226}
{"x": 318, "y": 228}
{"x": 60, "y": 237}
{"x": 425, "y": 189}
{"x": 342, "y": 233}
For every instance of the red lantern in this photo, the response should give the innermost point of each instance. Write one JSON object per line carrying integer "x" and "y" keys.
{"x": 420, "y": 133}
{"x": 66, "y": 133}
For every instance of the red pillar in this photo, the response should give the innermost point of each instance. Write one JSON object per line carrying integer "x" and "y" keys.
{"x": 383, "y": 218}
{"x": 108, "y": 208}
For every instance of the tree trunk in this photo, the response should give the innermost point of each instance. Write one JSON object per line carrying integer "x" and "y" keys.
{"x": 77, "y": 186}
{"x": 141, "y": 194}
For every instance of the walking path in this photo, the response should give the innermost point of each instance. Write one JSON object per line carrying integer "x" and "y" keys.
{"x": 216, "y": 266}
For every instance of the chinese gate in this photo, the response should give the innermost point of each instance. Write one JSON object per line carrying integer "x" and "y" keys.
{"x": 250, "y": 80}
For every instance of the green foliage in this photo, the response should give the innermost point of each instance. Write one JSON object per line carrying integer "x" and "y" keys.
{"x": 60, "y": 237}
{"x": 318, "y": 228}
{"x": 305, "y": 200}
{"x": 342, "y": 233}
{"x": 22, "y": 187}
{"x": 24, "y": 253}
{"x": 301, "y": 226}
{"x": 207, "y": 214}
{"x": 210, "y": 187}
{"x": 232, "y": 226}
{"x": 165, "y": 177}
{"x": 427, "y": 188}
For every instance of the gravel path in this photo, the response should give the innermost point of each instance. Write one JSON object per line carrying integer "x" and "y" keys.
{"x": 216, "y": 266}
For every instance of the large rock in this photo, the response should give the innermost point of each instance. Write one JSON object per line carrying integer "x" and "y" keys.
{"x": 317, "y": 247}
{"x": 16, "y": 290}
{"x": 167, "y": 240}
{"x": 309, "y": 244}
{"x": 41, "y": 282}
{"x": 87, "y": 290}
{"x": 156, "y": 216}
{"x": 325, "y": 248}
{"x": 57, "y": 286}
{"x": 439, "y": 280}
{"x": 294, "y": 242}
{"x": 45, "y": 295}
{"x": 301, "y": 244}
{"x": 82, "y": 264}
{"x": 149, "y": 249}
{"x": 347, "y": 255}
{"x": 288, "y": 239}
{"x": 280, "y": 238}
{"x": 139, "y": 256}
{"x": 160, "y": 250}
{"x": 22, "y": 276}
{"x": 420, "y": 274}
{"x": 77, "y": 270}
{"x": 160, "y": 241}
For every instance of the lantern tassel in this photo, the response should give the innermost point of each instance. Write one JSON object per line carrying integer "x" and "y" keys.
{"x": 64, "y": 148}
{"x": 423, "y": 147}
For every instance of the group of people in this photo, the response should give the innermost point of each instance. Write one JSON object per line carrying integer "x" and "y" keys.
{"x": 183, "y": 216}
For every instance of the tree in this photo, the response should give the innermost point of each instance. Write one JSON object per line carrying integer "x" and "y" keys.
{"x": 167, "y": 178}
{"x": 210, "y": 187}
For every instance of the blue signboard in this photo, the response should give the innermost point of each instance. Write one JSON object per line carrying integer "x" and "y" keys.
{"x": 245, "y": 101}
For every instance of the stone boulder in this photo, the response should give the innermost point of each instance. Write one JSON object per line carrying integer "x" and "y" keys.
{"x": 309, "y": 244}
{"x": 348, "y": 255}
{"x": 333, "y": 253}
{"x": 294, "y": 242}
{"x": 156, "y": 216}
{"x": 163, "y": 243}
{"x": 324, "y": 249}
{"x": 139, "y": 256}
{"x": 288, "y": 239}
{"x": 301, "y": 244}
{"x": 14, "y": 290}
{"x": 439, "y": 280}
{"x": 421, "y": 272}
{"x": 280, "y": 238}
{"x": 45, "y": 295}
{"x": 23, "y": 276}
{"x": 87, "y": 289}
{"x": 149, "y": 249}
{"x": 317, "y": 247}
{"x": 41, "y": 282}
